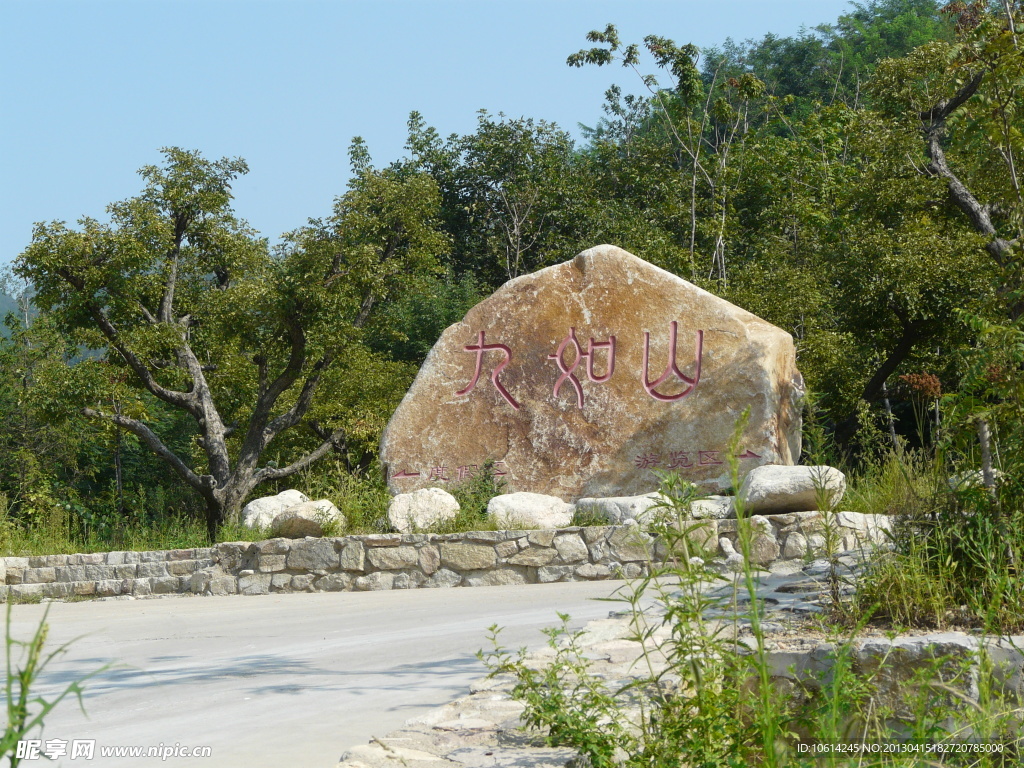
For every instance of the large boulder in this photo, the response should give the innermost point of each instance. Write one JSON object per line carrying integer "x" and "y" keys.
{"x": 310, "y": 518}
{"x": 772, "y": 490}
{"x": 524, "y": 510}
{"x": 260, "y": 513}
{"x": 562, "y": 383}
{"x": 422, "y": 509}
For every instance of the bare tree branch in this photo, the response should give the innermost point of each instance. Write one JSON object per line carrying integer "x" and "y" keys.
{"x": 945, "y": 107}
{"x": 150, "y": 317}
{"x": 166, "y": 311}
{"x": 154, "y": 443}
{"x": 979, "y": 215}
{"x": 269, "y": 394}
{"x": 184, "y": 400}
{"x": 294, "y": 415}
{"x": 275, "y": 473}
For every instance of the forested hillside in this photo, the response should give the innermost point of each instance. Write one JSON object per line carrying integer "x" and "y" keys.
{"x": 857, "y": 185}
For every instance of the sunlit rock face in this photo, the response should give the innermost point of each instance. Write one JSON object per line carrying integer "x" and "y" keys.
{"x": 584, "y": 378}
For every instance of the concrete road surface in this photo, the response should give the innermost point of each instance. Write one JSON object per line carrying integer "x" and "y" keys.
{"x": 283, "y": 680}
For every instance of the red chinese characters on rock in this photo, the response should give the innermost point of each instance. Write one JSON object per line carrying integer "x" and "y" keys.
{"x": 568, "y": 373}
{"x": 685, "y": 459}
{"x": 645, "y": 460}
{"x": 466, "y": 471}
{"x": 672, "y": 367}
{"x": 480, "y": 348}
{"x": 706, "y": 458}
{"x": 404, "y": 475}
{"x": 567, "y": 368}
{"x": 441, "y": 472}
{"x": 680, "y": 459}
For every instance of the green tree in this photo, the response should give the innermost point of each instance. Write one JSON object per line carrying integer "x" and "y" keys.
{"x": 515, "y": 197}
{"x": 830, "y": 63}
{"x": 191, "y": 305}
{"x": 828, "y": 229}
{"x": 39, "y": 458}
{"x": 965, "y": 99}
{"x": 694, "y": 126}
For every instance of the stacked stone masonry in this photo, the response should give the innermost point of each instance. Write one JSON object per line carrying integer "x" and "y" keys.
{"x": 406, "y": 561}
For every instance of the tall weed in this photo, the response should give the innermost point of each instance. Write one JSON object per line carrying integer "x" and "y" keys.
{"x": 27, "y": 709}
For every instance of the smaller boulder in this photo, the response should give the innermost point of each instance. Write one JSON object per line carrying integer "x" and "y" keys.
{"x": 422, "y": 509}
{"x": 713, "y": 507}
{"x": 260, "y": 513}
{"x": 526, "y": 510}
{"x": 774, "y": 489}
{"x": 651, "y": 507}
{"x": 310, "y": 518}
{"x": 733, "y": 559}
{"x": 621, "y": 510}
{"x": 972, "y": 479}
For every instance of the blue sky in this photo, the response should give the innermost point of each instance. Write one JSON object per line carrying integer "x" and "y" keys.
{"x": 91, "y": 89}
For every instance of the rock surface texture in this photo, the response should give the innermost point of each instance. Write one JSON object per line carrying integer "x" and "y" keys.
{"x": 419, "y": 510}
{"x": 773, "y": 490}
{"x": 580, "y": 379}
{"x": 260, "y": 513}
{"x": 529, "y": 510}
{"x": 310, "y": 518}
{"x": 619, "y": 510}
{"x": 718, "y": 507}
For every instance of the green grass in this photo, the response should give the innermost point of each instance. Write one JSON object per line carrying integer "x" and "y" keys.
{"x": 894, "y": 484}
{"x": 19, "y": 539}
{"x": 956, "y": 554}
{"x": 362, "y": 500}
{"x": 27, "y": 709}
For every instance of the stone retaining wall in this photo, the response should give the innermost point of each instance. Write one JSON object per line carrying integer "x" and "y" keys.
{"x": 404, "y": 561}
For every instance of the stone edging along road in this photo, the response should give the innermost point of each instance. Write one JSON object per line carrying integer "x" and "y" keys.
{"x": 404, "y": 561}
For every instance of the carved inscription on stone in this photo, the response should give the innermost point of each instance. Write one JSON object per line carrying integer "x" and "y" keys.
{"x": 583, "y": 378}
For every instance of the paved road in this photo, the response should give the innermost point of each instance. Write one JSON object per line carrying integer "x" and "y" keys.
{"x": 281, "y": 680}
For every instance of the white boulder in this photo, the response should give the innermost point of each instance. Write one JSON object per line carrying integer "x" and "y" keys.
{"x": 733, "y": 559}
{"x": 713, "y": 507}
{"x": 650, "y": 507}
{"x": 420, "y": 510}
{"x": 774, "y": 489}
{"x": 526, "y": 510}
{"x": 260, "y": 513}
{"x": 973, "y": 479}
{"x": 621, "y": 510}
{"x": 310, "y": 518}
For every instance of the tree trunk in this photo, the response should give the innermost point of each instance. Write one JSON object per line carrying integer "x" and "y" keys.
{"x": 988, "y": 475}
{"x": 214, "y": 516}
{"x": 912, "y": 334}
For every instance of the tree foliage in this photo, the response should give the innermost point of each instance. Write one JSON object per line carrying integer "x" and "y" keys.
{"x": 183, "y": 304}
{"x": 857, "y": 184}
